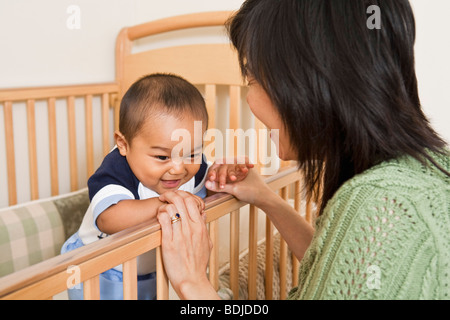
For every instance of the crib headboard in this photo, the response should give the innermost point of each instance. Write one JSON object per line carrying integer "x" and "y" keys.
{"x": 201, "y": 63}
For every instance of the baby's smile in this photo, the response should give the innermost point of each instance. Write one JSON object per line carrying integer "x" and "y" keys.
{"x": 170, "y": 184}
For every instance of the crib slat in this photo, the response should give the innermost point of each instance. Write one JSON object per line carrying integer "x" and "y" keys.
{"x": 234, "y": 253}
{"x": 105, "y": 123}
{"x": 89, "y": 136}
{"x": 269, "y": 260}
{"x": 297, "y": 207}
{"x": 308, "y": 209}
{"x": 252, "y": 250}
{"x": 91, "y": 288}
{"x": 235, "y": 112}
{"x": 72, "y": 143}
{"x": 235, "y": 106}
{"x": 130, "y": 279}
{"x": 259, "y": 162}
{"x": 297, "y": 196}
{"x": 116, "y": 109}
{"x": 162, "y": 281}
{"x": 214, "y": 258}
{"x": 283, "y": 269}
{"x": 10, "y": 153}
{"x": 295, "y": 270}
{"x": 53, "y": 146}
{"x": 32, "y": 155}
{"x": 210, "y": 101}
{"x": 283, "y": 254}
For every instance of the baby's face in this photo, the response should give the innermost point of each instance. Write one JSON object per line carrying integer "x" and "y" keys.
{"x": 166, "y": 153}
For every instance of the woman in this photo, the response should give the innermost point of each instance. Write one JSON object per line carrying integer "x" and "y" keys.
{"x": 345, "y": 100}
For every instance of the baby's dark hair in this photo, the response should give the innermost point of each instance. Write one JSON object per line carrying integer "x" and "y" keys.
{"x": 157, "y": 94}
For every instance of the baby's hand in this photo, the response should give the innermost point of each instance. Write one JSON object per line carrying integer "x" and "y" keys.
{"x": 229, "y": 170}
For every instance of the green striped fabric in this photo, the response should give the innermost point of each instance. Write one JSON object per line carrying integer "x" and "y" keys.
{"x": 35, "y": 231}
{"x": 28, "y": 235}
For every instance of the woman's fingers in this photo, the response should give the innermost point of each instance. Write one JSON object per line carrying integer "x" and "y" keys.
{"x": 176, "y": 199}
{"x": 191, "y": 204}
{"x": 216, "y": 187}
{"x": 180, "y": 199}
{"x": 164, "y": 220}
{"x": 194, "y": 212}
{"x": 185, "y": 195}
{"x": 177, "y": 206}
{"x": 166, "y": 213}
{"x": 200, "y": 202}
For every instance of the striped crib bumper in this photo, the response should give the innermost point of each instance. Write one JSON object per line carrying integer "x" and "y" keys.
{"x": 36, "y": 230}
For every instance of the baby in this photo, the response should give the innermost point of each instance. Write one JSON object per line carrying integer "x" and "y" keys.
{"x": 125, "y": 189}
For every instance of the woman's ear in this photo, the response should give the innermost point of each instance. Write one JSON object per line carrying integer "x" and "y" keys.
{"x": 121, "y": 143}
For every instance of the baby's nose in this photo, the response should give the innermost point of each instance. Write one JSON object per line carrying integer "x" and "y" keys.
{"x": 177, "y": 167}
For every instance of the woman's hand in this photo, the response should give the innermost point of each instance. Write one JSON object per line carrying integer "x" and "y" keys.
{"x": 186, "y": 246}
{"x": 199, "y": 201}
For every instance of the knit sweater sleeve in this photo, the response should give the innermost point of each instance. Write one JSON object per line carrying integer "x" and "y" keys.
{"x": 365, "y": 243}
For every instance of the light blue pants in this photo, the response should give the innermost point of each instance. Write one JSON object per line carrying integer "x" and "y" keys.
{"x": 111, "y": 281}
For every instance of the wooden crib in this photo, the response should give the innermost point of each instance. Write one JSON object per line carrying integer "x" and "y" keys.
{"x": 93, "y": 111}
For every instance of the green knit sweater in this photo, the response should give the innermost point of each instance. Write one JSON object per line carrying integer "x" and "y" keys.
{"x": 384, "y": 235}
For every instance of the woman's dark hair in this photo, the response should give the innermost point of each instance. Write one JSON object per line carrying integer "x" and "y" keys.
{"x": 347, "y": 94}
{"x": 157, "y": 94}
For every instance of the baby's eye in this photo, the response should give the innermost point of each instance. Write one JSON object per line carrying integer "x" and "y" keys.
{"x": 162, "y": 158}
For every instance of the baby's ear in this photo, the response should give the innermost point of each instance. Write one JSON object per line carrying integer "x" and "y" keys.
{"x": 121, "y": 143}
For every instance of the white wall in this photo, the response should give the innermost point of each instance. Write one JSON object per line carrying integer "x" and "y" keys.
{"x": 432, "y": 61}
{"x": 37, "y": 47}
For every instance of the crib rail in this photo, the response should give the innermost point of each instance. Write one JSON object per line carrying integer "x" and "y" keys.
{"x": 52, "y": 97}
{"x": 48, "y": 278}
